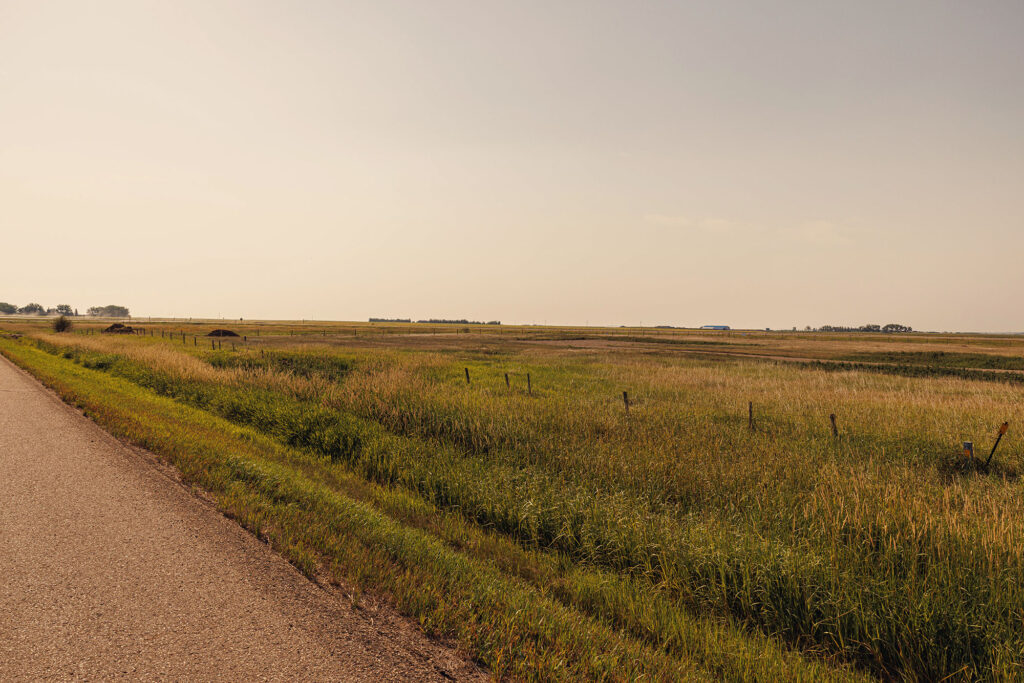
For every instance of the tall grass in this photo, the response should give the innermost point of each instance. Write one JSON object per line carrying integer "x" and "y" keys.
{"x": 865, "y": 549}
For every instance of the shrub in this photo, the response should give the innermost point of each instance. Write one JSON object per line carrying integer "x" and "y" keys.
{"x": 61, "y": 324}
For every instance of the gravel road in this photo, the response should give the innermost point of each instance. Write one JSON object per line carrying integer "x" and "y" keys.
{"x": 110, "y": 568}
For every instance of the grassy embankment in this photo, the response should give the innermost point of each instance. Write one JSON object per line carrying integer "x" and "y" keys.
{"x": 523, "y": 613}
{"x": 660, "y": 529}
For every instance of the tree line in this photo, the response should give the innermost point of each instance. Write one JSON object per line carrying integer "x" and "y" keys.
{"x": 110, "y": 311}
{"x": 461, "y": 321}
{"x": 436, "y": 321}
{"x": 890, "y": 328}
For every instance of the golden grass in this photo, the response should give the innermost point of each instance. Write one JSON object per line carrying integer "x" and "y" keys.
{"x": 872, "y": 549}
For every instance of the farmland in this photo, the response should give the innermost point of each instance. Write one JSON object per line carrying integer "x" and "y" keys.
{"x": 604, "y": 503}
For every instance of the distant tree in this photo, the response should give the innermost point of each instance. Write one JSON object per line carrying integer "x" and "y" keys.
{"x": 64, "y": 309}
{"x": 61, "y": 324}
{"x": 32, "y": 309}
{"x": 110, "y": 311}
{"x": 896, "y": 327}
{"x": 7, "y": 309}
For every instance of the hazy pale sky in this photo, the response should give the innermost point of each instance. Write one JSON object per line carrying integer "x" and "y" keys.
{"x": 745, "y": 163}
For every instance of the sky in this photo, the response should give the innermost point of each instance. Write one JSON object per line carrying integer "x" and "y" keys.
{"x": 754, "y": 164}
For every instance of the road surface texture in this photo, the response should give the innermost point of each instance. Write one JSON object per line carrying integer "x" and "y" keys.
{"x": 109, "y": 568}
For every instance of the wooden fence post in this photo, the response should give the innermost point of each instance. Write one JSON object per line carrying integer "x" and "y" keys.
{"x": 529, "y": 387}
{"x": 1002, "y": 431}
{"x": 835, "y": 429}
{"x": 507, "y": 385}
{"x": 467, "y": 375}
{"x": 750, "y": 415}
{"x": 625, "y": 401}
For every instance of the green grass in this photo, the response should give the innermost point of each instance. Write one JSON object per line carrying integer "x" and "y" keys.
{"x": 918, "y": 371}
{"x": 522, "y": 613}
{"x": 940, "y": 359}
{"x": 301, "y": 364}
{"x": 680, "y": 535}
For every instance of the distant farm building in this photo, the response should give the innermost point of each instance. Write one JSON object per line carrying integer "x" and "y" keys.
{"x": 715, "y": 327}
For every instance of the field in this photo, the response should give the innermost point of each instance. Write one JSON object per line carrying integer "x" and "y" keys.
{"x": 497, "y": 484}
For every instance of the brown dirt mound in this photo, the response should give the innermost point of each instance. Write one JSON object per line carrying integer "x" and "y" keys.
{"x": 222, "y": 333}
{"x": 118, "y": 328}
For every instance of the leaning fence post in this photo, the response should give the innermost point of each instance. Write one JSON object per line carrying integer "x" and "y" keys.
{"x": 507, "y": 384}
{"x": 835, "y": 429}
{"x": 467, "y": 375}
{"x": 1002, "y": 430}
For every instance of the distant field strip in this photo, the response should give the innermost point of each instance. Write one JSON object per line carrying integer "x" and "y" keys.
{"x": 565, "y": 538}
{"x": 940, "y": 359}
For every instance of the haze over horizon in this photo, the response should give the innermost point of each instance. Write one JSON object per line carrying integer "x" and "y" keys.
{"x": 741, "y": 163}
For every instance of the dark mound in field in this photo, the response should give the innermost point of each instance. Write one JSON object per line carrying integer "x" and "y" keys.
{"x": 222, "y": 333}
{"x": 118, "y": 328}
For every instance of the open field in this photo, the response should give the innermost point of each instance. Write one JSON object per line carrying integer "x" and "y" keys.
{"x": 554, "y": 534}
